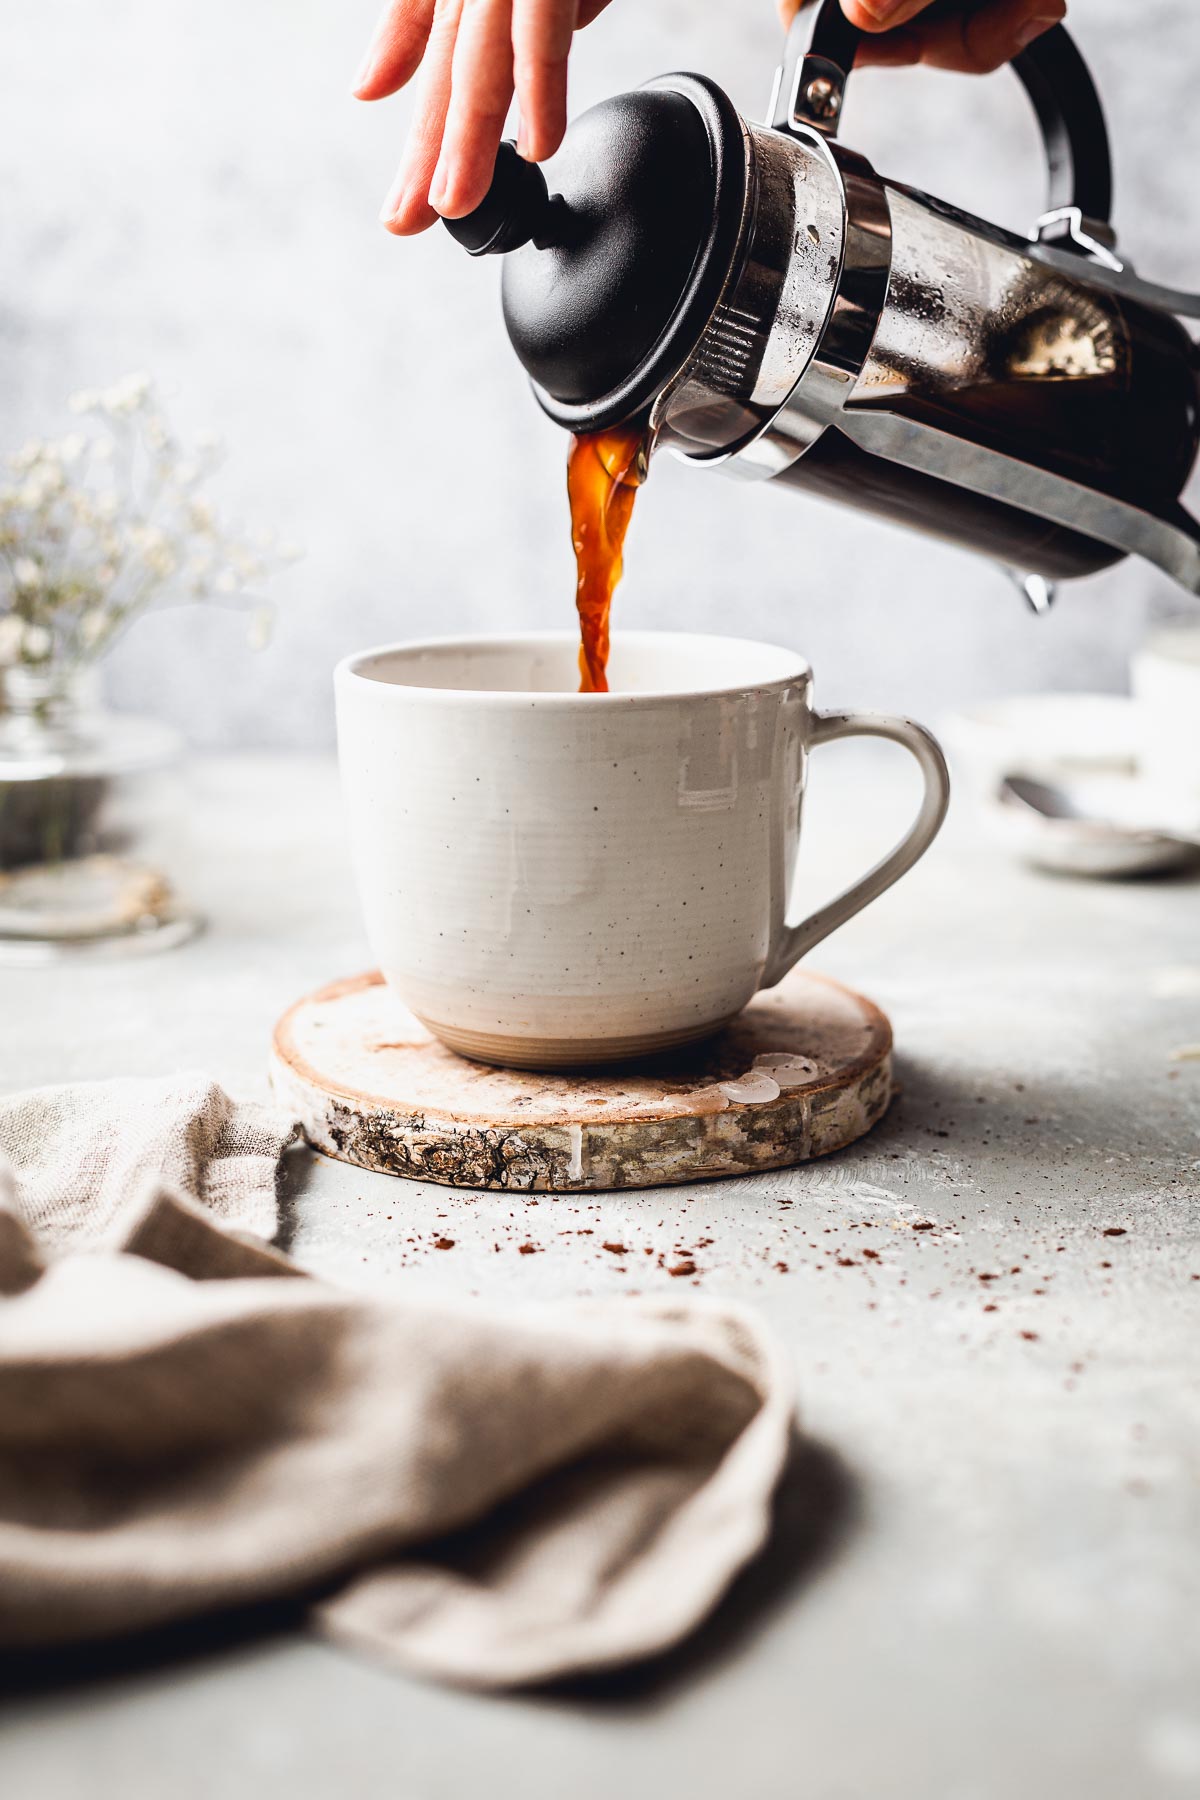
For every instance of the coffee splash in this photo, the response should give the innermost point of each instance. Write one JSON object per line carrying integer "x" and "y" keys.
{"x": 604, "y": 471}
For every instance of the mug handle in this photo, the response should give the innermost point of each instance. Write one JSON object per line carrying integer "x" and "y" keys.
{"x": 796, "y": 940}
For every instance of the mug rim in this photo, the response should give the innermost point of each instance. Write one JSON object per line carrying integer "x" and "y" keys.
{"x": 350, "y": 669}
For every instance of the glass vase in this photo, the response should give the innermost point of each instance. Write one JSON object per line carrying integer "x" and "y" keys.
{"x": 90, "y": 816}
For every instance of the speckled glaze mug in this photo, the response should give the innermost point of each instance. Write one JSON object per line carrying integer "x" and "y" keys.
{"x": 553, "y": 879}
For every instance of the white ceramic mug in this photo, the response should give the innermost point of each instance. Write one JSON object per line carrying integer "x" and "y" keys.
{"x": 554, "y": 879}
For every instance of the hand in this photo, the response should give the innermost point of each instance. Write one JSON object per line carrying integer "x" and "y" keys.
{"x": 973, "y": 36}
{"x": 472, "y": 56}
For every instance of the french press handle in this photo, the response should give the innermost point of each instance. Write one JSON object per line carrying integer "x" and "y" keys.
{"x": 811, "y": 85}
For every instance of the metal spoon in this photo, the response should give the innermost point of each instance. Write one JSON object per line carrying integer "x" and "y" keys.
{"x": 1101, "y": 824}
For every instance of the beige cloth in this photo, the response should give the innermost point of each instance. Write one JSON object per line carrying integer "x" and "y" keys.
{"x": 82, "y": 1151}
{"x": 489, "y": 1496}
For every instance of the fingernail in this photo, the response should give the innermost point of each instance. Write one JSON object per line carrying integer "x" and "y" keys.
{"x": 392, "y": 204}
{"x": 1033, "y": 28}
{"x": 438, "y": 187}
{"x": 522, "y": 140}
{"x": 364, "y": 71}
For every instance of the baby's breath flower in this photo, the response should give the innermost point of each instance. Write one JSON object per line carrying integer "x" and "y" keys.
{"x": 43, "y": 483}
{"x": 27, "y": 456}
{"x": 12, "y": 631}
{"x": 93, "y": 625}
{"x": 99, "y": 524}
{"x": 127, "y": 396}
{"x": 244, "y": 563}
{"x": 36, "y": 643}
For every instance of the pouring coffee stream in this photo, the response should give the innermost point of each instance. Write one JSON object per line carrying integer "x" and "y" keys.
{"x": 604, "y": 471}
{"x": 757, "y": 298}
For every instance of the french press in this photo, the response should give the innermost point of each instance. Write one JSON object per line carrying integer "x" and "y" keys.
{"x": 765, "y": 302}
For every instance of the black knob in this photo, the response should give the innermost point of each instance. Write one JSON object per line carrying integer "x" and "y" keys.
{"x": 516, "y": 208}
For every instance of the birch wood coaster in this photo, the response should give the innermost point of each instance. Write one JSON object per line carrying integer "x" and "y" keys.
{"x": 806, "y": 1069}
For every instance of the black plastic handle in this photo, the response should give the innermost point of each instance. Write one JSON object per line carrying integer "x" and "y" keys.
{"x": 817, "y": 64}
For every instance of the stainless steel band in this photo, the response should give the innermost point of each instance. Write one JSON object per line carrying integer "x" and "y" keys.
{"x": 860, "y": 289}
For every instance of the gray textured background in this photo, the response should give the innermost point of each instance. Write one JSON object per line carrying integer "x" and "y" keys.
{"x": 186, "y": 186}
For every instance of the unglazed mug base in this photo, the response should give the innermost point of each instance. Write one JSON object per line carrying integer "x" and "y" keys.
{"x": 507, "y": 1052}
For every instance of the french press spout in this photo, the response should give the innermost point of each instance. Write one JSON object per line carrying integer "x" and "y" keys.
{"x": 765, "y": 302}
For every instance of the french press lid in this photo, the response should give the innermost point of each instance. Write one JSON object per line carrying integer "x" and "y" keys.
{"x": 617, "y": 248}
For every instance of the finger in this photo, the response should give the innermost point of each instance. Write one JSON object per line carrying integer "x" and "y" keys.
{"x": 407, "y": 207}
{"x": 891, "y": 50}
{"x": 881, "y": 47}
{"x": 972, "y": 40}
{"x": 589, "y": 10}
{"x": 975, "y": 43}
{"x": 883, "y": 15}
{"x": 541, "y": 36}
{"x": 395, "y": 50}
{"x": 480, "y": 91}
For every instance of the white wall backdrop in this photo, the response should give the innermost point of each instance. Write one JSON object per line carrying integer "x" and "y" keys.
{"x": 187, "y": 186}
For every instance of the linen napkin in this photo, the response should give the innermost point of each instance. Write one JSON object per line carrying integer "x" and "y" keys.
{"x": 81, "y": 1151}
{"x": 491, "y": 1496}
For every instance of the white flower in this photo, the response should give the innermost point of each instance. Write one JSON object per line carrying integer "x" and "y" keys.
{"x": 126, "y": 396}
{"x": 152, "y": 545}
{"x": 103, "y": 522}
{"x": 92, "y": 625}
{"x": 247, "y": 566}
{"x": 12, "y": 631}
{"x": 43, "y": 484}
{"x": 29, "y": 455}
{"x": 36, "y": 643}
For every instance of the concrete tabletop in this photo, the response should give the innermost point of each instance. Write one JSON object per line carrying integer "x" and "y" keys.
{"x": 986, "y": 1579}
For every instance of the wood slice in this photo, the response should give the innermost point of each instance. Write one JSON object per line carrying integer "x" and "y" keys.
{"x": 805, "y": 1070}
